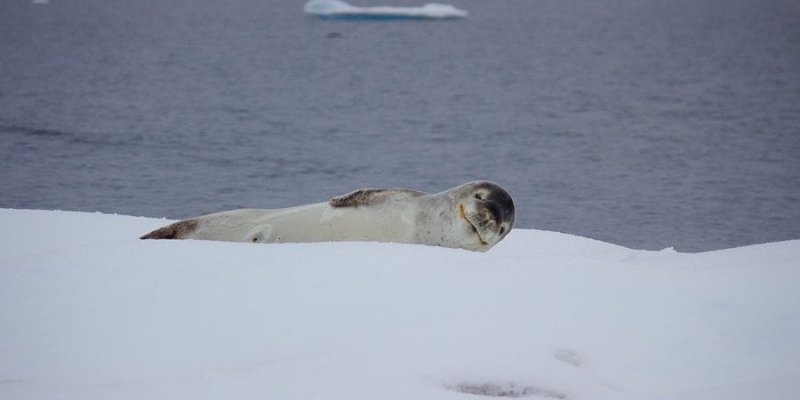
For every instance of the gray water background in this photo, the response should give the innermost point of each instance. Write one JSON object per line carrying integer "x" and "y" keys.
{"x": 646, "y": 123}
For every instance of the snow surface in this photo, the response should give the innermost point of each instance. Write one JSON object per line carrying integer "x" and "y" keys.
{"x": 337, "y": 8}
{"x": 89, "y": 311}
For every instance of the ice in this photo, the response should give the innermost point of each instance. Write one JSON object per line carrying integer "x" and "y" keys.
{"x": 336, "y": 9}
{"x": 89, "y": 311}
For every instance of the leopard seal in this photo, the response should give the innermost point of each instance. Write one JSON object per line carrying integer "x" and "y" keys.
{"x": 473, "y": 216}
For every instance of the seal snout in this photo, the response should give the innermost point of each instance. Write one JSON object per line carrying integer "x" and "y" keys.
{"x": 475, "y": 223}
{"x": 487, "y": 218}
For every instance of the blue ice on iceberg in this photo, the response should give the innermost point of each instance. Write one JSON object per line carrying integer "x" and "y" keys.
{"x": 336, "y": 9}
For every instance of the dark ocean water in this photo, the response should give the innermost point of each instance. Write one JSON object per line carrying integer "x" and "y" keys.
{"x": 644, "y": 123}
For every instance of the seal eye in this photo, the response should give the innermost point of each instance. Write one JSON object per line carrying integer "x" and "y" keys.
{"x": 502, "y": 230}
{"x": 480, "y": 196}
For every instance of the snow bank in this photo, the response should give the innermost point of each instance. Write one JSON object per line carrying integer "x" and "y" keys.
{"x": 336, "y": 9}
{"x": 89, "y": 311}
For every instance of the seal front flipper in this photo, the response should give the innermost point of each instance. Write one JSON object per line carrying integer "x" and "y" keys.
{"x": 365, "y": 197}
{"x": 177, "y": 230}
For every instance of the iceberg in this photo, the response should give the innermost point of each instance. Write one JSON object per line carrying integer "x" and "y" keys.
{"x": 336, "y": 9}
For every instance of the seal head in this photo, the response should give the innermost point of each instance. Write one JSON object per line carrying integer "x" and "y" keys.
{"x": 488, "y": 211}
{"x": 474, "y": 216}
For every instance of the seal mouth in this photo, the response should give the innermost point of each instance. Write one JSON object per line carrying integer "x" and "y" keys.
{"x": 463, "y": 214}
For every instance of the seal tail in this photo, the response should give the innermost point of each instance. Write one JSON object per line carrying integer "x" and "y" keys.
{"x": 177, "y": 230}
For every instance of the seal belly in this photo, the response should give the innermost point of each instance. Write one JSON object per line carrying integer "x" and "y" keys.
{"x": 322, "y": 223}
